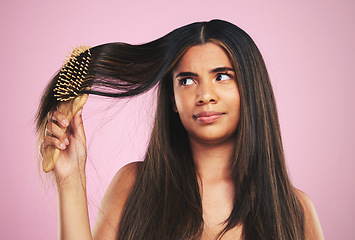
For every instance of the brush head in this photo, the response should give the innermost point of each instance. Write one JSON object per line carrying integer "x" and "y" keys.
{"x": 72, "y": 74}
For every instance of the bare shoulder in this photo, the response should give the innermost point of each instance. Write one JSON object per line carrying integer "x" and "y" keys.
{"x": 114, "y": 201}
{"x": 126, "y": 176}
{"x": 313, "y": 229}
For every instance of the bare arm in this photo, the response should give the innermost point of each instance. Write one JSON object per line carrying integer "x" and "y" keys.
{"x": 313, "y": 229}
{"x": 70, "y": 177}
{"x": 114, "y": 201}
{"x": 73, "y": 210}
{"x": 69, "y": 172}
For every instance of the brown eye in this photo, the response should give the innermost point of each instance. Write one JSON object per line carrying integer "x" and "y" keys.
{"x": 223, "y": 77}
{"x": 186, "y": 81}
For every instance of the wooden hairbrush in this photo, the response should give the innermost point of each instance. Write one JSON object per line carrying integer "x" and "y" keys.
{"x": 67, "y": 90}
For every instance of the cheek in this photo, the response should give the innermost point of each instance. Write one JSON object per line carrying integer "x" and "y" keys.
{"x": 175, "y": 100}
{"x": 184, "y": 108}
{"x": 234, "y": 103}
{"x": 180, "y": 101}
{"x": 173, "y": 104}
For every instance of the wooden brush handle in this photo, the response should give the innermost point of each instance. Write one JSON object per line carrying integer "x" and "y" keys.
{"x": 69, "y": 109}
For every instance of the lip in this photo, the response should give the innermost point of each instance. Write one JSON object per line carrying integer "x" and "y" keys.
{"x": 208, "y": 116}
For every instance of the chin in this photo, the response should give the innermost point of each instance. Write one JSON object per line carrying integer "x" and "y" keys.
{"x": 213, "y": 138}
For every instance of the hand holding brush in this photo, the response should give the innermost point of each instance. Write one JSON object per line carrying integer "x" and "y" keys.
{"x": 68, "y": 87}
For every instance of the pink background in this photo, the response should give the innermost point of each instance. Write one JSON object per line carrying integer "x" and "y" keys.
{"x": 309, "y": 50}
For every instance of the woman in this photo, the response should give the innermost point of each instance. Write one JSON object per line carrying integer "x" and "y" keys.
{"x": 214, "y": 168}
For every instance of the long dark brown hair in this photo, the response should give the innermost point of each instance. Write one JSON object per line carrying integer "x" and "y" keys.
{"x": 165, "y": 202}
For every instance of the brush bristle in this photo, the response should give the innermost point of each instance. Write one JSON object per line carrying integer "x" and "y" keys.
{"x": 72, "y": 74}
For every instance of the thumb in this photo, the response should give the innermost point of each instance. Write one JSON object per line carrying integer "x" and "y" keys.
{"x": 78, "y": 125}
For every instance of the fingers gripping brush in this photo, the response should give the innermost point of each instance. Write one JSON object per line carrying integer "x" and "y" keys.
{"x": 70, "y": 83}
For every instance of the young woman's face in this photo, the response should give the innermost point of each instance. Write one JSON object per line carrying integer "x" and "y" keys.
{"x": 206, "y": 94}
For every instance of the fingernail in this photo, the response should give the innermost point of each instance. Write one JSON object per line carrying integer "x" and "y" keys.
{"x": 66, "y": 141}
{"x": 62, "y": 146}
{"x": 65, "y": 122}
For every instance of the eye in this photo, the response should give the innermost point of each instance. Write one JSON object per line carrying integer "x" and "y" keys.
{"x": 223, "y": 77}
{"x": 186, "y": 81}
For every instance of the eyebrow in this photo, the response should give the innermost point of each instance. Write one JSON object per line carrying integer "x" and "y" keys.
{"x": 221, "y": 69}
{"x": 215, "y": 70}
{"x": 186, "y": 74}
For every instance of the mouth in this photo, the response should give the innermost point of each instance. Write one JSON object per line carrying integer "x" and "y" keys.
{"x": 208, "y": 117}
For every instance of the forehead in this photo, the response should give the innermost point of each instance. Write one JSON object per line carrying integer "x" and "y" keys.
{"x": 200, "y": 57}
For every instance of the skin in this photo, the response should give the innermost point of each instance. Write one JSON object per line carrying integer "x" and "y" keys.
{"x": 207, "y": 99}
{"x": 204, "y": 81}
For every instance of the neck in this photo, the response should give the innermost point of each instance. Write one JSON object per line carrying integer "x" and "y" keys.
{"x": 213, "y": 161}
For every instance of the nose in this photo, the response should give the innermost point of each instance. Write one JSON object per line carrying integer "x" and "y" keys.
{"x": 206, "y": 94}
